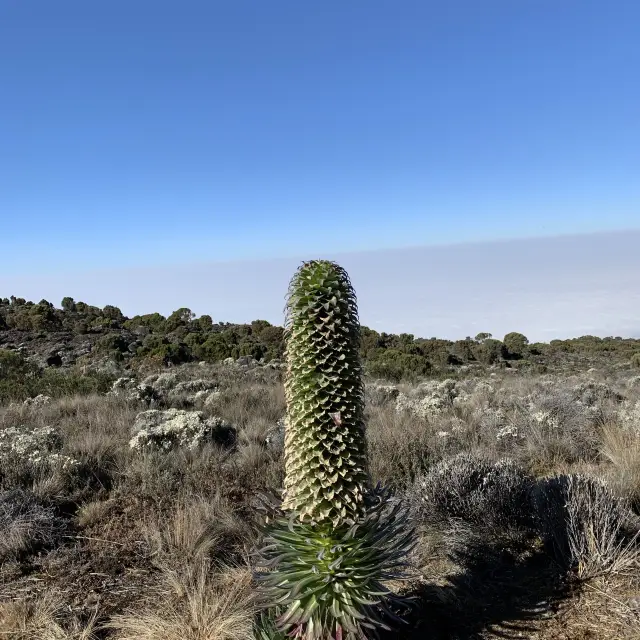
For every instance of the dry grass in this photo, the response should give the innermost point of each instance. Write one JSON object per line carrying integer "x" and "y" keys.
{"x": 93, "y": 512}
{"x": 606, "y": 608}
{"x": 146, "y": 531}
{"x": 589, "y": 530}
{"x": 25, "y": 524}
{"x": 621, "y": 448}
{"x": 197, "y": 529}
{"x": 241, "y": 404}
{"x": 400, "y": 448}
{"x": 193, "y": 607}
{"x": 42, "y": 619}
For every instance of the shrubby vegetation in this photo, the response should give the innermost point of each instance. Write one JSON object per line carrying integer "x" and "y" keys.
{"x": 522, "y": 485}
{"x": 153, "y": 339}
{"x": 20, "y": 379}
{"x": 132, "y": 458}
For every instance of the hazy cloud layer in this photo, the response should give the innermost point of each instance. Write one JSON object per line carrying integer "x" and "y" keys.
{"x": 546, "y": 288}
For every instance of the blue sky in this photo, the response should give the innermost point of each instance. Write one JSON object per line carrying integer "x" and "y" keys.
{"x": 139, "y": 133}
{"x": 145, "y": 134}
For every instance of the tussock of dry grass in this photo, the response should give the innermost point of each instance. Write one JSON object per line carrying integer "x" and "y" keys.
{"x": 588, "y": 528}
{"x": 241, "y": 404}
{"x": 93, "y": 512}
{"x": 197, "y": 529}
{"x": 621, "y": 448}
{"x": 400, "y": 448}
{"x": 193, "y": 607}
{"x": 606, "y": 608}
{"x": 41, "y": 619}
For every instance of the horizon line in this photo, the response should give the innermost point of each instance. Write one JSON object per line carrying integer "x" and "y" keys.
{"x": 355, "y": 252}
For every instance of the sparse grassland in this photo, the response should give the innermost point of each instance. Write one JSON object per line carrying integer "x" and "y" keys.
{"x": 101, "y": 538}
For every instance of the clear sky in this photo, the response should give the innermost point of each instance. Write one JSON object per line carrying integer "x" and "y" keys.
{"x": 139, "y": 132}
{"x": 544, "y": 287}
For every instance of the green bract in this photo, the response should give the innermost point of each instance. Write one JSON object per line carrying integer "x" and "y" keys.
{"x": 335, "y": 540}
{"x": 324, "y": 439}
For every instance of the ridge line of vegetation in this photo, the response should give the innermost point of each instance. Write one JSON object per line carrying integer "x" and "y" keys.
{"x": 80, "y": 334}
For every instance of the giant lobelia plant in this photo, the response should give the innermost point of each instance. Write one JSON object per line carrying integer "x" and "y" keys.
{"x": 335, "y": 540}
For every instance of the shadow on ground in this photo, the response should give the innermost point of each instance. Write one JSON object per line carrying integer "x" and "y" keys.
{"x": 498, "y": 592}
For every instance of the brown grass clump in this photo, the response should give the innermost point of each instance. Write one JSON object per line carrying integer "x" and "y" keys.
{"x": 621, "y": 448}
{"x": 42, "y": 619}
{"x": 605, "y": 608}
{"x": 198, "y": 529}
{"x": 25, "y": 524}
{"x": 196, "y": 606}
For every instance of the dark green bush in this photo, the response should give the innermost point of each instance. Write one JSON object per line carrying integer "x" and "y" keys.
{"x": 204, "y": 323}
{"x": 180, "y": 338}
{"x": 395, "y": 365}
{"x": 215, "y": 348}
{"x": 489, "y": 351}
{"x": 180, "y": 318}
{"x": 158, "y": 348}
{"x": 12, "y": 364}
{"x": 153, "y": 321}
{"x": 515, "y": 344}
{"x": 68, "y": 304}
{"x": 112, "y": 342}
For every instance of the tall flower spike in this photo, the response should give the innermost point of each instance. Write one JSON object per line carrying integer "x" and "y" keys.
{"x": 335, "y": 542}
{"x": 325, "y": 457}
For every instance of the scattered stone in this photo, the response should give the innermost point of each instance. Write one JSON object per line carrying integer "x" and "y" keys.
{"x": 132, "y": 347}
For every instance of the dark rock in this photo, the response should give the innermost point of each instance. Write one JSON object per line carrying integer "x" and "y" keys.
{"x": 54, "y": 360}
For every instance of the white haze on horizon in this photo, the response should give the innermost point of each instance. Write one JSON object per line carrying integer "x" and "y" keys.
{"x": 546, "y": 288}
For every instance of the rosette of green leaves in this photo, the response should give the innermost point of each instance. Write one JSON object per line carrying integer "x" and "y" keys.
{"x": 328, "y": 583}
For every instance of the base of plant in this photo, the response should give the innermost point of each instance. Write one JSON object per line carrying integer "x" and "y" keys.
{"x": 328, "y": 583}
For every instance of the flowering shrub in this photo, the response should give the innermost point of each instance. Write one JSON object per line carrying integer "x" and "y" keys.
{"x": 172, "y": 428}
{"x": 40, "y": 445}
